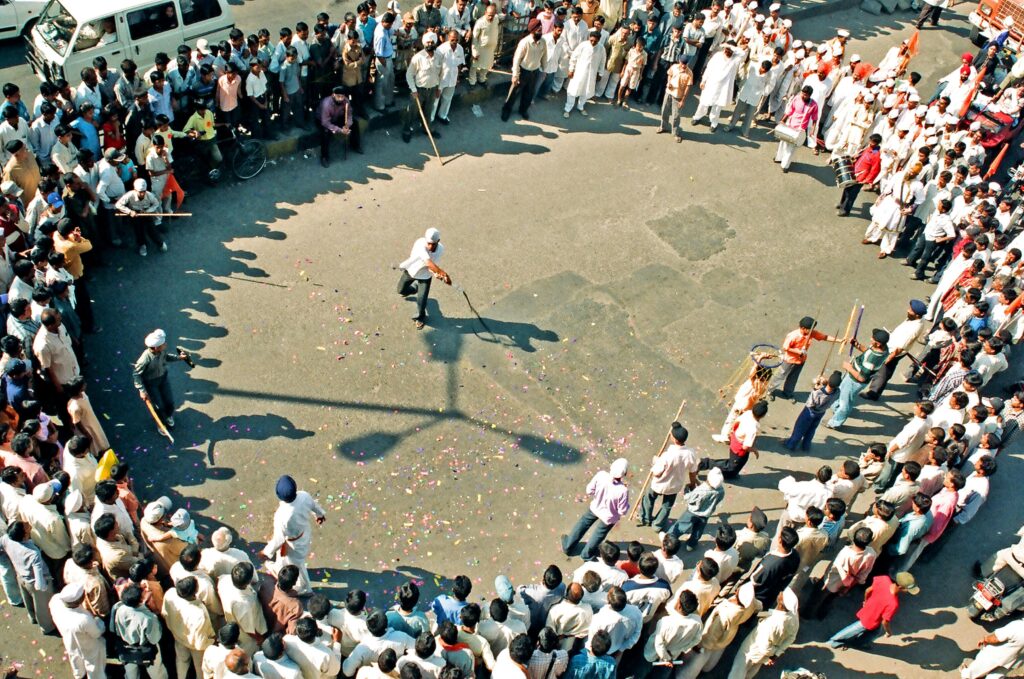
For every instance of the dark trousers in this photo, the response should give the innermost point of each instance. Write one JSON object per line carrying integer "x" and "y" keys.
{"x": 786, "y": 378}
{"x": 881, "y": 379}
{"x": 850, "y": 194}
{"x": 580, "y": 529}
{"x": 407, "y": 285}
{"x": 352, "y": 139}
{"x": 659, "y": 77}
{"x": 159, "y": 392}
{"x": 144, "y": 226}
{"x": 803, "y": 431}
{"x": 259, "y": 118}
{"x": 647, "y": 509}
{"x": 929, "y": 11}
{"x": 412, "y": 114}
{"x": 523, "y": 91}
{"x": 689, "y": 523}
{"x": 84, "y": 305}
{"x": 912, "y": 227}
{"x": 890, "y": 472}
{"x": 731, "y": 467}
{"x": 922, "y": 255}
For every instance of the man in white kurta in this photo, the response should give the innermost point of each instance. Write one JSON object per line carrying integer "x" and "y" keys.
{"x": 1000, "y": 651}
{"x": 189, "y": 623}
{"x": 769, "y": 640}
{"x": 452, "y": 57}
{"x": 718, "y": 83}
{"x": 82, "y": 633}
{"x": 316, "y": 657}
{"x": 292, "y": 540}
{"x": 585, "y": 64}
{"x": 486, "y": 32}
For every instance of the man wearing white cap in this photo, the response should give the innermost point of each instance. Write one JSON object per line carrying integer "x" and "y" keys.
{"x": 136, "y": 204}
{"x": 720, "y": 630}
{"x": 150, "y": 375}
{"x": 48, "y": 529}
{"x": 770, "y": 639}
{"x": 82, "y": 633}
{"x": 609, "y": 505}
{"x": 774, "y": 21}
{"x": 418, "y": 271}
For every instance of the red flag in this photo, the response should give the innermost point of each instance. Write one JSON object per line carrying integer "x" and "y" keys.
{"x": 997, "y": 161}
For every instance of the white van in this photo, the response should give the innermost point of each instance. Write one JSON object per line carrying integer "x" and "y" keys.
{"x": 17, "y": 16}
{"x": 71, "y": 33}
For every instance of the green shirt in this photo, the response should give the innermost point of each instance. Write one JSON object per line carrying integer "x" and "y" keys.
{"x": 870, "y": 362}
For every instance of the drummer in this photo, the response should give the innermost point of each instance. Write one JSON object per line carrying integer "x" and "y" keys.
{"x": 801, "y": 116}
{"x": 865, "y": 172}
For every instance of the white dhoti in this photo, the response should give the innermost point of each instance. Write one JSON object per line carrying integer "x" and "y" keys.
{"x": 886, "y": 221}
{"x": 711, "y": 111}
{"x": 784, "y": 155}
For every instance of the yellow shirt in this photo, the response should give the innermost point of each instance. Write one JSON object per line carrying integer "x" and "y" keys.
{"x": 203, "y": 124}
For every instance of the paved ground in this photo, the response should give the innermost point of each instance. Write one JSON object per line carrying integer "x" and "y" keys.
{"x": 620, "y": 274}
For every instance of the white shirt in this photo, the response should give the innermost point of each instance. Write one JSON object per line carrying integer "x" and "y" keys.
{"x": 669, "y": 568}
{"x": 416, "y": 265}
{"x": 801, "y": 495}
{"x": 671, "y": 470}
{"x": 451, "y": 59}
{"x": 910, "y": 438}
{"x": 1002, "y": 655}
{"x": 370, "y": 647}
{"x": 747, "y": 429}
{"x": 82, "y": 633}
{"x": 727, "y": 562}
{"x": 318, "y": 660}
{"x": 293, "y": 523}
{"x": 906, "y": 334}
{"x": 622, "y": 626}
{"x": 282, "y": 668}
{"x": 610, "y": 575}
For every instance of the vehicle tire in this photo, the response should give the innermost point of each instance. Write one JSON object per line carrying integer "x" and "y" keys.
{"x": 973, "y": 612}
{"x": 249, "y": 159}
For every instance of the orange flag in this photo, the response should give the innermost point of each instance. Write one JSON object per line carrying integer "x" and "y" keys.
{"x": 997, "y": 161}
{"x": 974, "y": 90}
{"x": 912, "y": 43}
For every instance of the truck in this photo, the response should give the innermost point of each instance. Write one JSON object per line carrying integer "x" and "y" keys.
{"x": 989, "y": 19}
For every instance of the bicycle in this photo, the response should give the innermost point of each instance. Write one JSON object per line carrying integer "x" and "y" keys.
{"x": 247, "y": 158}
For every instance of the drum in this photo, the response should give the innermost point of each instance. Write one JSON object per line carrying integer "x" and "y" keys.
{"x": 787, "y": 134}
{"x": 843, "y": 167}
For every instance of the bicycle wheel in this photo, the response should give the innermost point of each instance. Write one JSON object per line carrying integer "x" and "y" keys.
{"x": 249, "y": 159}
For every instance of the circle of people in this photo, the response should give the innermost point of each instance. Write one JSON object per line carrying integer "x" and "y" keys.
{"x": 89, "y": 561}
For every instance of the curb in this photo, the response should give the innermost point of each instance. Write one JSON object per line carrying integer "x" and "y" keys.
{"x": 497, "y": 82}
{"x": 823, "y": 9}
{"x": 286, "y": 146}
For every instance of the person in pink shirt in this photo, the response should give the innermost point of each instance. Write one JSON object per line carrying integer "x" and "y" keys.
{"x": 610, "y": 503}
{"x": 801, "y": 114}
{"x": 943, "y": 508}
{"x": 227, "y": 95}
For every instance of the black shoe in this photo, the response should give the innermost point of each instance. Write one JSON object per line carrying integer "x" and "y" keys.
{"x": 406, "y": 136}
{"x": 505, "y": 115}
{"x": 642, "y": 524}
{"x": 443, "y": 121}
{"x": 325, "y": 162}
{"x": 524, "y": 115}
{"x": 437, "y": 135}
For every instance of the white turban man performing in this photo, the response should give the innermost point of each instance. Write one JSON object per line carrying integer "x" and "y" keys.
{"x": 150, "y": 375}
{"x": 418, "y": 271}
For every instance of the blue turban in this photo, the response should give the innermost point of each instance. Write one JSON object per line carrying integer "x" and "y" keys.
{"x": 286, "y": 489}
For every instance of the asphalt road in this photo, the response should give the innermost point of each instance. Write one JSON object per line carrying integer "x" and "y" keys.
{"x": 619, "y": 273}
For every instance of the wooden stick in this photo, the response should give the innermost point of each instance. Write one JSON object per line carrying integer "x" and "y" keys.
{"x": 155, "y": 214}
{"x": 650, "y": 474}
{"x": 856, "y": 328}
{"x": 426, "y": 126}
{"x": 846, "y": 336}
{"x": 159, "y": 423}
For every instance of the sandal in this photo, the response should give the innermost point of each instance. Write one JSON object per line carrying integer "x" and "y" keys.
{"x": 419, "y": 325}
